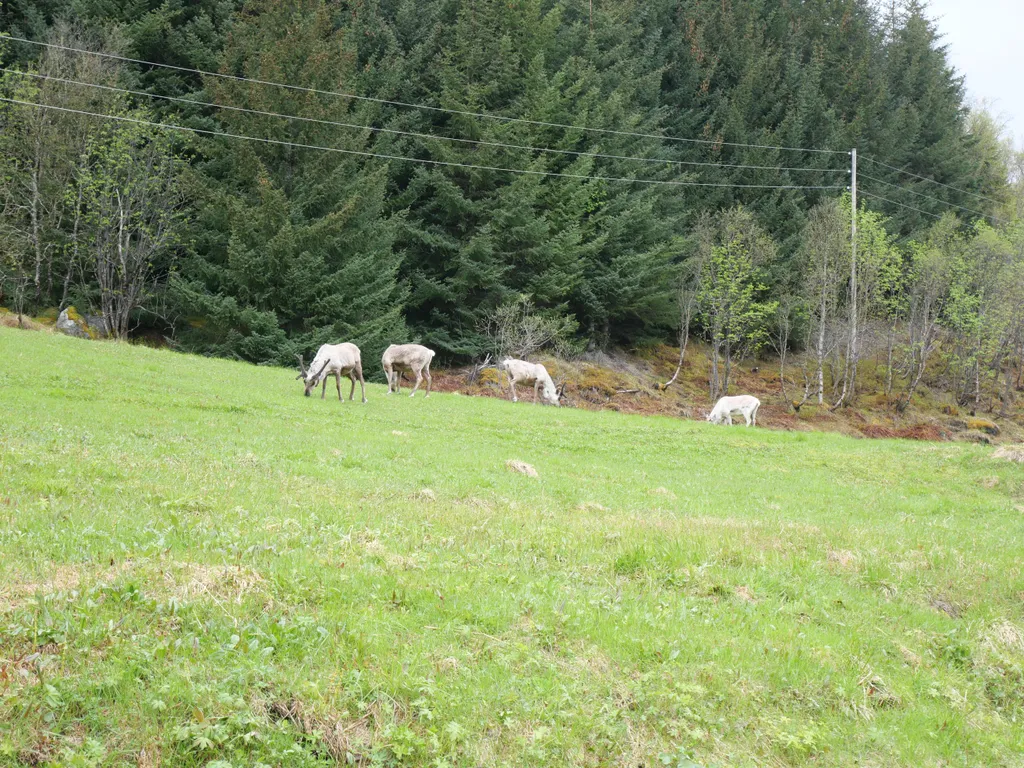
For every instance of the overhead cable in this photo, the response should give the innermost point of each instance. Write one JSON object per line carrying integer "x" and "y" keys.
{"x": 362, "y": 153}
{"x": 375, "y": 129}
{"x": 933, "y": 181}
{"x": 410, "y": 105}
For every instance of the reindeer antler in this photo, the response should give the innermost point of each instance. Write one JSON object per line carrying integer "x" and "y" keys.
{"x": 302, "y": 367}
{"x": 322, "y": 367}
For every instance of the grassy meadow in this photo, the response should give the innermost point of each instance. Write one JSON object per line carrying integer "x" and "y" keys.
{"x": 201, "y": 567}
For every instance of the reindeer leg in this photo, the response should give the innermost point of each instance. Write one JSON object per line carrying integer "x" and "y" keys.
{"x": 419, "y": 378}
{"x": 352, "y": 391}
{"x": 362, "y": 384}
{"x": 512, "y": 383}
{"x": 323, "y": 390}
{"x": 536, "y": 385}
{"x": 387, "y": 375}
{"x": 426, "y": 372}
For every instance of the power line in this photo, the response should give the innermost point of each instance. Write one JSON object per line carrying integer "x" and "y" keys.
{"x": 933, "y": 181}
{"x": 928, "y": 197}
{"x": 902, "y": 205}
{"x": 409, "y": 105}
{"x": 279, "y": 142}
{"x": 359, "y": 126}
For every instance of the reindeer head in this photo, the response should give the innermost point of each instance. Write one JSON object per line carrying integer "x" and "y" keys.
{"x": 553, "y": 395}
{"x": 310, "y": 379}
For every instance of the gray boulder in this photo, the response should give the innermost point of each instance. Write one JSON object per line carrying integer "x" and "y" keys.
{"x": 72, "y": 323}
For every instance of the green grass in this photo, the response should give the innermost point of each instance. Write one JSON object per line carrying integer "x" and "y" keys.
{"x": 199, "y": 566}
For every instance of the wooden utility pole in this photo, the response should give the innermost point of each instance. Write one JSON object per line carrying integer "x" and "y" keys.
{"x": 852, "y": 362}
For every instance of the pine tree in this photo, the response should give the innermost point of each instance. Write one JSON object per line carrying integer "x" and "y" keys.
{"x": 293, "y": 247}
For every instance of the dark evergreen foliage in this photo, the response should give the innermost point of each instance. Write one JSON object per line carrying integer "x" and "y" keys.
{"x": 292, "y": 247}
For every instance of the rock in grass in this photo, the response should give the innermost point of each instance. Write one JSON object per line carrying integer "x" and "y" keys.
{"x": 1011, "y": 453}
{"x": 521, "y": 467}
{"x": 70, "y": 322}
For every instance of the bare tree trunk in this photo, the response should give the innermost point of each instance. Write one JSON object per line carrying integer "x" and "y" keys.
{"x": 684, "y": 335}
{"x": 34, "y": 214}
{"x": 1020, "y": 366}
{"x": 1007, "y": 398}
{"x": 728, "y": 368}
{"x": 921, "y": 354}
{"x": 891, "y": 342}
{"x": 820, "y": 353}
{"x": 977, "y": 379}
{"x": 846, "y": 386}
{"x": 836, "y": 371}
{"x": 73, "y": 260}
{"x": 715, "y": 389}
{"x": 783, "y": 349}
{"x": 684, "y": 340}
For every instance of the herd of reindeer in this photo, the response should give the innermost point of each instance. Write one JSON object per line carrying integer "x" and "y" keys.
{"x": 345, "y": 359}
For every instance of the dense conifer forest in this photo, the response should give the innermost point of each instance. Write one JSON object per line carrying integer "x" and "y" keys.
{"x": 623, "y": 173}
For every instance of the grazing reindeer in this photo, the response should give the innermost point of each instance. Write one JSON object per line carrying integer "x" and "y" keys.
{"x": 744, "y": 405}
{"x": 522, "y": 372}
{"x": 335, "y": 360}
{"x": 407, "y": 357}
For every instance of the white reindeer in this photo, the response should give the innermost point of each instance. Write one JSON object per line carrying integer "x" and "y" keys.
{"x": 407, "y": 357}
{"x": 522, "y": 372}
{"x": 744, "y": 405}
{"x": 335, "y": 360}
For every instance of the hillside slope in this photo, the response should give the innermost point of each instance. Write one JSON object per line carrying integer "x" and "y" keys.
{"x": 201, "y": 565}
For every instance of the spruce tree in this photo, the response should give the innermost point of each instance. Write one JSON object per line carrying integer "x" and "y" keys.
{"x": 293, "y": 246}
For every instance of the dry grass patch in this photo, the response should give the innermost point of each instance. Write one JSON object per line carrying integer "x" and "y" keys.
{"x": 912, "y": 659}
{"x": 521, "y": 467}
{"x": 63, "y": 578}
{"x": 10, "y": 320}
{"x": 347, "y": 740}
{"x": 222, "y": 582}
{"x": 375, "y": 548}
{"x": 148, "y": 757}
{"x": 1007, "y": 635}
{"x": 179, "y": 580}
{"x": 743, "y": 593}
{"x": 1010, "y": 453}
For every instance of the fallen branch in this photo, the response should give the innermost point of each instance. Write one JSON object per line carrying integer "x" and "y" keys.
{"x": 478, "y": 369}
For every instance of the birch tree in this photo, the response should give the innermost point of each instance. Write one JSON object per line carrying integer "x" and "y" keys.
{"x": 826, "y": 258}
{"x": 731, "y": 293}
{"x": 131, "y": 192}
{"x": 41, "y": 148}
{"x": 928, "y": 291}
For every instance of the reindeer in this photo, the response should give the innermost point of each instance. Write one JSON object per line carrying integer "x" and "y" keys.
{"x": 520, "y": 371}
{"x": 407, "y": 357}
{"x": 745, "y": 405}
{"x": 335, "y": 360}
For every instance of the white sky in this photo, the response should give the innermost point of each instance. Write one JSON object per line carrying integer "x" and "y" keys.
{"x": 986, "y": 45}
